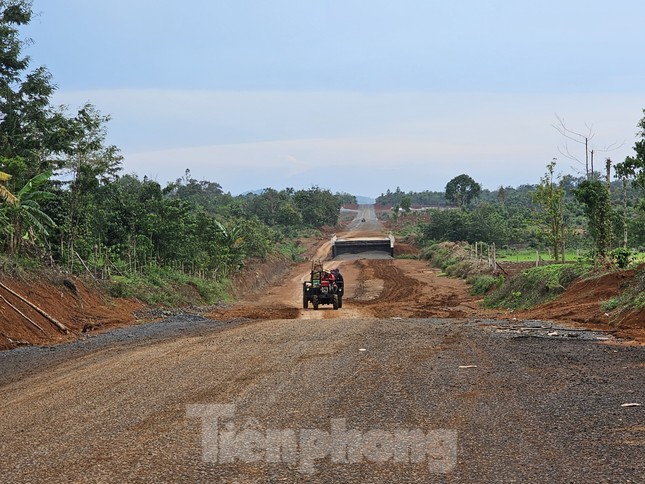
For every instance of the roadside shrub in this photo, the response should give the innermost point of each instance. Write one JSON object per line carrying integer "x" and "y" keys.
{"x": 124, "y": 286}
{"x": 622, "y": 256}
{"x": 482, "y": 284}
{"x": 535, "y": 286}
{"x": 459, "y": 269}
{"x": 454, "y": 259}
{"x": 610, "y": 304}
{"x": 166, "y": 287}
{"x": 442, "y": 255}
{"x": 406, "y": 256}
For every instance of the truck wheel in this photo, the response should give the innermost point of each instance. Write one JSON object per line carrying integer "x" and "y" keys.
{"x": 314, "y": 300}
{"x": 305, "y": 302}
{"x": 340, "y": 301}
{"x": 335, "y": 301}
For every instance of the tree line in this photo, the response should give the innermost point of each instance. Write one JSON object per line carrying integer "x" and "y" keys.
{"x": 64, "y": 200}
{"x": 602, "y": 212}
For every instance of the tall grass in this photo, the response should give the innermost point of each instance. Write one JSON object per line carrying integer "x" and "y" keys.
{"x": 167, "y": 287}
{"x": 535, "y": 286}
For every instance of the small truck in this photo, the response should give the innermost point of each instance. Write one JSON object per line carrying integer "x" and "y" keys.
{"x": 323, "y": 287}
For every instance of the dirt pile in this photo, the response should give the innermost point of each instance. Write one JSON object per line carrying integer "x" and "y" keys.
{"x": 582, "y": 303}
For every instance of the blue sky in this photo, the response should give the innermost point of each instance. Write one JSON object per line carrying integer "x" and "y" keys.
{"x": 355, "y": 96}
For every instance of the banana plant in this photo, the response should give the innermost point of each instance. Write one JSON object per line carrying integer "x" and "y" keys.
{"x": 233, "y": 237}
{"x": 8, "y": 198}
{"x": 5, "y": 194}
{"x": 27, "y": 222}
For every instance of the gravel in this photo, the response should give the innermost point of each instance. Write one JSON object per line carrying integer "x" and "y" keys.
{"x": 520, "y": 405}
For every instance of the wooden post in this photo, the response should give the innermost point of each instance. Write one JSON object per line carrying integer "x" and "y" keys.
{"x": 625, "y": 212}
{"x": 563, "y": 249}
{"x": 85, "y": 265}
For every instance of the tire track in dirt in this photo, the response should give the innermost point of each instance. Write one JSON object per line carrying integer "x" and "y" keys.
{"x": 373, "y": 287}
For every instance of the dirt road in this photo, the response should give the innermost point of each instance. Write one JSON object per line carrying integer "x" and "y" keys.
{"x": 409, "y": 382}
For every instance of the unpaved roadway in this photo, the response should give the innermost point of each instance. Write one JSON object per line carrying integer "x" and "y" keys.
{"x": 408, "y": 382}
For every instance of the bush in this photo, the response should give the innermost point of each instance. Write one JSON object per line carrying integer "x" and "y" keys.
{"x": 622, "y": 256}
{"x": 610, "y": 304}
{"x": 535, "y": 286}
{"x": 482, "y": 284}
{"x": 166, "y": 287}
{"x": 459, "y": 269}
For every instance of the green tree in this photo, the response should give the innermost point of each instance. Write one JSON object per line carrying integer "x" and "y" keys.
{"x": 318, "y": 207}
{"x": 489, "y": 223}
{"x": 634, "y": 166}
{"x": 91, "y": 164}
{"x": 345, "y": 198}
{"x": 32, "y": 132}
{"x": 462, "y": 189}
{"x": 205, "y": 193}
{"x": 596, "y": 200}
{"x": 406, "y": 204}
{"x": 395, "y": 212}
{"x": 450, "y": 225}
{"x": 550, "y": 197}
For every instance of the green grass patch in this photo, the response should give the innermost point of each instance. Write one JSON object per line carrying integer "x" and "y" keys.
{"x": 638, "y": 302}
{"x": 292, "y": 249}
{"x": 484, "y": 283}
{"x": 166, "y": 287}
{"x": 530, "y": 255}
{"x": 610, "y": 304}
{"x": 535, "y": 286}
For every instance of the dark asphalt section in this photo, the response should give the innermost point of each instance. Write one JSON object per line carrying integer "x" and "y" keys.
{"x": 20, "y": 362}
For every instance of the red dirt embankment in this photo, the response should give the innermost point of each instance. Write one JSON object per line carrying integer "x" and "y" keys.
{"x": 581, "y": 304}
{"x": 401, "y": 288}
{"x": 69, "y": 301}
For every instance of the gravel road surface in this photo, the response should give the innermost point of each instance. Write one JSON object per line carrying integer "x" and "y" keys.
{"x": 410, "y": 382}
{"x": 495, "y": 401}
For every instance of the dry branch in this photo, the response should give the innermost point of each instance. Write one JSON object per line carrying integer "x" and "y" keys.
{"x": 85, "y": 265}
{"x": 54, "y": 321}
{"x": 23, "y": 314}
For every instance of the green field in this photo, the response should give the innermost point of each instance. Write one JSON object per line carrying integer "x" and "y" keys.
{"x": 530, "y": 255}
